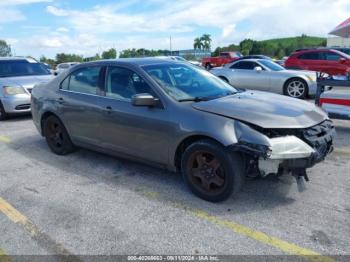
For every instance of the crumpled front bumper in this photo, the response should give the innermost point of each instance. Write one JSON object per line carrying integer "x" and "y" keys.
{"x": 283, "y": 166}
{"x": 289, "y": 151}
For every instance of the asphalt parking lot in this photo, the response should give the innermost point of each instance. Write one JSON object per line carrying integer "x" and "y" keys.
{"x": 92, "y": 204}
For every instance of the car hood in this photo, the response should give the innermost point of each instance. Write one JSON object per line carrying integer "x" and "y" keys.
{"x": 25, "y": 81}
{"x": 265, "y": 110}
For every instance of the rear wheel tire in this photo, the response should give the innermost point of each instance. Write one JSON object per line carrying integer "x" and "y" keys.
{"x": 57, "y": 136}
{"x": 211, "y": 171}
{"x": 296, "y": 87}
{"x": 3, "y": 114}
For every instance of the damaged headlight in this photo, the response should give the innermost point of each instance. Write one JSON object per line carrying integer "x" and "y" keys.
{"x": 289, "y": 147}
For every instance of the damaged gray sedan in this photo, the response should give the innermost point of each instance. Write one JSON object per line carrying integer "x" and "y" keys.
{"x": 181, "y": 118}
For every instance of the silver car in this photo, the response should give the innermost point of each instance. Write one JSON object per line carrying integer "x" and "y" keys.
{"x": 180, "y": 117}
{"x": 17, "y": 79}
{"x": 64, "y": 66}
{"x": 266, "y": 75}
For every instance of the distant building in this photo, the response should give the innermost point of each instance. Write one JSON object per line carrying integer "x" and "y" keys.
{"x": 196, "y": 53}
{"x": 342, "y": 33}
{"x": 338, "y": 42}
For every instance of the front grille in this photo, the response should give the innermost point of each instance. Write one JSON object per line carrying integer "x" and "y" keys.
{"x": 320, "y": 137}
{"x": 22, "y": 107}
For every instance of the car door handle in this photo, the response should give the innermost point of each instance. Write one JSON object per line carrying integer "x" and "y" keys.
{"x": 108, "y": 109}
{"x": 60, "y": 100}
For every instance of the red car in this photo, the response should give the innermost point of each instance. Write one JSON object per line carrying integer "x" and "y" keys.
{"x": 223, "y": 59}
{"x": 329, "y": 61}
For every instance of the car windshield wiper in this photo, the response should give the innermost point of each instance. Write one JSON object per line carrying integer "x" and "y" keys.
{"x": 194, "y": 99}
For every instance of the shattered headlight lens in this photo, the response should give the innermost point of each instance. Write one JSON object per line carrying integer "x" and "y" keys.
{"x": 289, "y": 147}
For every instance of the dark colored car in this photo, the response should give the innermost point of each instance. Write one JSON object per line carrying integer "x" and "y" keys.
{"x": 329, "y": 61}
{"x": 255, "y": 57}
{"x": 181, "y": 118}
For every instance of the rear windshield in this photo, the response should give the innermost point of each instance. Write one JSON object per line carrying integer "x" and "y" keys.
{"x": 11, "y": 68}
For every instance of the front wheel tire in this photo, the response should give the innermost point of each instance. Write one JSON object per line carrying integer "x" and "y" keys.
{"x": 57, "y": 136}
{"x": 211, "y": 171}
{"x": 296, "y": 88}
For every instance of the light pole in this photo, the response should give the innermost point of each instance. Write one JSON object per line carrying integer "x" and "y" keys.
{"x": 171, "y": 51}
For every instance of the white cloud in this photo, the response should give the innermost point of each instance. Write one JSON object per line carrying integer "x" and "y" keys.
{"x": 266, "y": 17}
{"x": 94, "y": 29}
{"x": 227, "y": 31}
{"x": 22, "y": 2}
{"x": 56, "y": 11}
{"x": 11, "y": 15}
{"x": 9, "y": 11}
{"x": 62, "y": 29}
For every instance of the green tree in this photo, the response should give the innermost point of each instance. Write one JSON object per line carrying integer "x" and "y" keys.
{"x": 246, "y": 46}
{"x": 92, "y": 58}
{"x": 109, "y": 54}
{"x": 65, "y": 58}
{"x": 5, "y": 49}
{"x": 198, "y": 44}
{"x": 48, "y": 61}
{"x": 206, "y": 40}
{"x": 280, "y": 53}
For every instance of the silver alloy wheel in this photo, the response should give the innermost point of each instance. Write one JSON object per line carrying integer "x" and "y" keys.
{"x": 296, "y": 89}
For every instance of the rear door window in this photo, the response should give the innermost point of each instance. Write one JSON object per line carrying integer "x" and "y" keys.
{"x": 311, "y": 56}
{"x": 84, "y": 80}
{"x": 330, "y": 56}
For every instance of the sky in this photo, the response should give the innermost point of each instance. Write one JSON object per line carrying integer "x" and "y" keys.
{"x": 47, "y": 27}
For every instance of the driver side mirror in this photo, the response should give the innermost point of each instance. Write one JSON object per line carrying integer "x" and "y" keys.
{"x": 342, "y": 60}
{"x": 258, "y": 68}
{"x": 144, "y": 100}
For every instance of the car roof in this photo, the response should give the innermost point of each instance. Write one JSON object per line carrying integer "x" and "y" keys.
{"x": 69, "y": 63}
{"x": 134, "y": 61}
{"x": 250, "y": 60}
{"x": 315, "y": 50}
{"x": 17, "y": 58}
